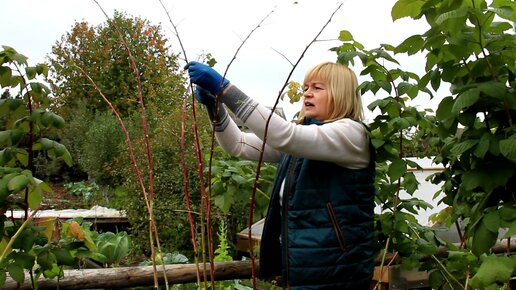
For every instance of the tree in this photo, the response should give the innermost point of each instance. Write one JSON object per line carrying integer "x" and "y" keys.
{"x": 100, "y": 52}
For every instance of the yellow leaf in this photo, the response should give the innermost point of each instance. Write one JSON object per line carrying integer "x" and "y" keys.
{"x": 76, "y": 231}
{"x": 52, "y": 229}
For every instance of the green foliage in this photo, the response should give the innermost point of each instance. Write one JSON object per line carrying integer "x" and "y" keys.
{"x": 471, "y": 47}
{"x": 100, "y": 147}
{"x": 25, "y": 125}
{"x": 233, "y": 180}
{"x": 44, "y": 247}
{"x": 169, "y": 198}
{"x": 167, "y": 259}
{"x": 221, "y": 252}
{"x": 83, "y": 189}
{"x": 113, "y": 247}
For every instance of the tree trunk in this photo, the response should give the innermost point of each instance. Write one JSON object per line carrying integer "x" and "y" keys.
{"x": 137, "y": 276}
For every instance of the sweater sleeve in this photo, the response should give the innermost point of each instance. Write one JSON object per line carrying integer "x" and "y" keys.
{"x": 344, "y": 142}
{"x": 244, "y": 145}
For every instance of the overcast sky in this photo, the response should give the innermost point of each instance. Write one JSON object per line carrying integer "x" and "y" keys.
{"x": 218, "y": 27}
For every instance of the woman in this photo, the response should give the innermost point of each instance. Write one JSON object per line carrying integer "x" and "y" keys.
{"x": 318, "y": 232}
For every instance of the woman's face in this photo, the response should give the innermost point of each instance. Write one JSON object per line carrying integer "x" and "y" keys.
{"x": 316, "y": 100}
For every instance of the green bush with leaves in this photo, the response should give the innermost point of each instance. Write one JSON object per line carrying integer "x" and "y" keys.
{"x": 232, "y": 181}
{"x": 469, "y": 46}
{"x": 169, "y": 206}
{"x": 41, "y": 249}
{"x": 100, "y": 148}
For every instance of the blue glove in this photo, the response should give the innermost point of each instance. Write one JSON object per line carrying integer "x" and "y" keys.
{"x": 206, "y": 77}
{"x": 204, "y": 97}
{"x": 219, "y": 114}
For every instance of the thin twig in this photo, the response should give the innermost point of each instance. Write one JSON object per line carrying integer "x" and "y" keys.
{"x": 217, "y": 103}
{"x": 183, "y": 160}
{"x": 149, "y": 202}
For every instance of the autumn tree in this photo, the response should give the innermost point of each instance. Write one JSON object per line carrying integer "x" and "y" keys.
{"x": 101, "y": 54}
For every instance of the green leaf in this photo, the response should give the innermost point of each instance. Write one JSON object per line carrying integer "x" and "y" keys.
{"x": 42, "y": 69}
{"x": 46, "y": 260}
{"x": 483, "y": 240}
{"x": 483, "y": 146}
{"x": 11, "y": 137}
{"x": 435, "y": 279}
{"x": 400, "y": 123}
{"x": 506, "y": 12}
{"x": 239, "y": 179}
{"x": 345, "y": 36}
{"x": 5, "y": 76}
{"x": 31, "y": 72}
{"x": 35, "y": 197}
{"x": 508, "y": 149}
{"x": 224, "y": 202}
{"x": 3, "y": 277}
{"x": 494, "y": 269}
{"x": 451, "y": 15}
{"x": 24, "y": 260}
{"x": 411, "y": 45}
{"x": 377, "y": 143}
{"x": 26, "y": 240}
{"x": 67, "y": 157}
{"x": 53, "y": 272}
{"x": 52, "y": 119}
{"x": 397, "y": 169}
{"x": 507, "y": 212}
{"x": 444, "y": 110}
{"x": 465, "y": 100}
{"x": 406, "y": 8}
{"x": 435, "y": 79}
{"x": 19, "y": 58}
{"x": 16, "y": 272}
{"x": 22, "y": 156}
{"x": 464, "y": 146}
{"x": 18, "y": 183}
{"x": 471, "y": 180}
{"x": 492, "y": 221}
{"x": 493, "y": 89}
{"x": 511, "y": 229}
{"x": 410, "y": 183}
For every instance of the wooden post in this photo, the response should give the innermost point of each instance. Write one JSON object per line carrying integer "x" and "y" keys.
{"x": 137, "y": 276}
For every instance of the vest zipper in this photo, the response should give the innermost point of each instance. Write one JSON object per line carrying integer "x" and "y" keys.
{"x": 286, "y": 194}
{"x": 336, "y": 227}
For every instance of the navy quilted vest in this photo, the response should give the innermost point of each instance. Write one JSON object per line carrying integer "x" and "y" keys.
{"x": 325, "y": 225}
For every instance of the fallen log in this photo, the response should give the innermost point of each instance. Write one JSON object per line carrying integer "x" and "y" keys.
{"x": 137, "y": 276}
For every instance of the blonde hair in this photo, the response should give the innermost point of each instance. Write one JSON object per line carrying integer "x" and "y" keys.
{"x": 344, "y": 99}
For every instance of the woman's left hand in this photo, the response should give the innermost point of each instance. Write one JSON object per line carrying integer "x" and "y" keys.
{"x": 206, "y": 77}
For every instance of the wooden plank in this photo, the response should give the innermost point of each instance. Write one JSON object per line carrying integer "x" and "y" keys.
{"x": 137, "y": 276}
